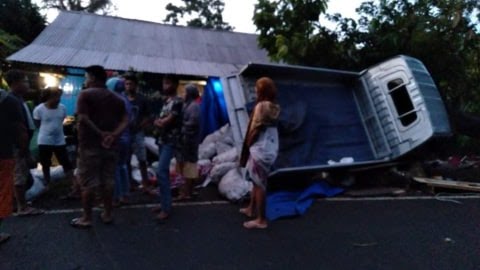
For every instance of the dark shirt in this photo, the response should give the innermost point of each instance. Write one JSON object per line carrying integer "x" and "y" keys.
{"x": 26, "y": 114}
{"x": 104, "y": 108}
{"x": 11, "y": 116}
{"x": 171, "y": 133}
{"x": 140, "y": 111}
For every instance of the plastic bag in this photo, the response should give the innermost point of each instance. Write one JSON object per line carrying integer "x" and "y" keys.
{"x": 233, "y": 185}
{"x": 151, "y": 145}
{"x": 228, "y": 156}
{"x": 36, "y": 189}
{"x": 207, "y": 151}
{"x": 219, "y": 170}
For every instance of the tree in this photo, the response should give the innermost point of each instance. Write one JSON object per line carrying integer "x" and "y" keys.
{"x": 91, "y": 6}
{"x": 290, "y": 29}
{"x": 205, "y": 14}
{"x": 21, "y": 18}
{"x": 443, "y": 34}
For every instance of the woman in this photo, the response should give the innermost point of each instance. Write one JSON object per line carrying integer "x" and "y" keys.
{"x": 49, "y": 116}
{"x": 187, "y": 155}
{"x": 260, "y": 149}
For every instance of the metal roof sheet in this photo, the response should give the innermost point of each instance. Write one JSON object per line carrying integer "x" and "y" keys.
{"x": 77, "y": 39}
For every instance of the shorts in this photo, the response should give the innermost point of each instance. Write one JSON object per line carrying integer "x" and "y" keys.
{"x": 96, "y": 167}
{"x": 21, "y": 169}
{"x": 138, "y": 146}
{"x": 188, "y": 169}
{"x": 6, "y": 187}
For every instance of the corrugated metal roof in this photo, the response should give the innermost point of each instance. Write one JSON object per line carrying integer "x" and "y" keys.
{"x": 77, "y": 39}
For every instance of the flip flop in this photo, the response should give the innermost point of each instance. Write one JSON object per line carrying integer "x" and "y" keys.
{"x": 78, "y": 223}
{"x": 4, "y": 237}
{"x": 252, "y": 224}
{"x": 105, "y": 220}
{"x": 156, "y": 209}
{"x": 30, "y": 211}
{"x": 162, "y": 216}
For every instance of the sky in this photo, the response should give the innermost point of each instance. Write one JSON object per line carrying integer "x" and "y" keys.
{"x": 238, "y": 13}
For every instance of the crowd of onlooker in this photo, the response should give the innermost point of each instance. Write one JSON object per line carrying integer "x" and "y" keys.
{"x": 112, "y": 116}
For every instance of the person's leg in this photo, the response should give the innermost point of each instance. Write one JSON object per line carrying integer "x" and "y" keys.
{"x": 6, "y": 193}
{"x": 21, "y": 175}
{"x": 260, "y": 222}
{"x": 117, "y": 184}
{"x": 260, "y": 201}
{"x": 163, "y": 175}
{"x": 249, "y": 210}
{"x": 122, "y": 171}
{"x": 45, "y": 157}
{"x": 89, "y": 165}
{"x": 61, "y": 153}
{"x": 88, "y": 194}
{"x": 109, "y": 163}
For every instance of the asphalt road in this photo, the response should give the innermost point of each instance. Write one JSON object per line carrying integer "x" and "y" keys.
{"x": 360, "y": 234}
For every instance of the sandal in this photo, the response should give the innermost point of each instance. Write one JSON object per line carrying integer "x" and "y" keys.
{"x": 80, "y": 224}
{"x": 253, "y": 224}
{"x": 29, "y": 211}
{"x": 106, "y": 220}
{"x": 4, "y": 237}
{"x": 162, "y": 216}
{"x": 156, "y": 209}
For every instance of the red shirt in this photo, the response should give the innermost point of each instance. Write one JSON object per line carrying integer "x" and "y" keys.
{"x": 104, "y": 108}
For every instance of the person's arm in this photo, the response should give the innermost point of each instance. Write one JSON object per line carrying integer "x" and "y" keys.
{"x": 192, "y": 117}
{"x": 37, "y": 118}
{"x": 109, "y": 138}
{"x": 22, "y": 140}
{"x": 122, "y": 126}
{"x": 82, "y": 114}
{"x": 83, "y": 118}
{"x": 169, "y": 119}
{"x": 145, "y": 118}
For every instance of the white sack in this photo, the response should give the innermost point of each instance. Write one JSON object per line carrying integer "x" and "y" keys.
{"x": 219, "y": 170}
{"x": 207, "y": 151}
{"x": 229, "y": 156}
{"x": 233, "y": 185}
{"x": 151, "y": 145}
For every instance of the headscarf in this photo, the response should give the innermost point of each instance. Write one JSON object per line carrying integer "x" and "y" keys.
{"x": 191, "y": 93}
{"x": 265, "y": 114}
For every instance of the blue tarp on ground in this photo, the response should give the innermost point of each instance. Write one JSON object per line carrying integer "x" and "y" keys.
{"x": 293, "y": 203}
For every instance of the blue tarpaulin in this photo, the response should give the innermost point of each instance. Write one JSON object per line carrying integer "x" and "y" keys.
{"x": 293, "y": 203}
{"x": 213, "y": 108}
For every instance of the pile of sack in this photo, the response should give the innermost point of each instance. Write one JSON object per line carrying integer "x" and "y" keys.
{"x": 218, "y": 164}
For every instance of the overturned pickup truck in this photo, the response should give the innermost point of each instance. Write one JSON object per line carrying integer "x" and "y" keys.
{"x": 364, "y": 118}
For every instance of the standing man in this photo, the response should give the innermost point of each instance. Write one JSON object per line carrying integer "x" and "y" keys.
{"x": 169, "y": 123}
{"x": 141, "y": 116}
{"x": 102, "y": 118}
{"x": 14, "y": 134}
{"x": 18, "y": 83}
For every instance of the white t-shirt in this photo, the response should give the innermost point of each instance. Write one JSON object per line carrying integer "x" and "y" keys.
{"x": 51, "y": 124}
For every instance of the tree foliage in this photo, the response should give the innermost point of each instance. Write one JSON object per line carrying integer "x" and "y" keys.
{"x": 203, "y": 13}
{"x": 91, "y": 6}
{"x": 20, "y": 23}
{"x": 443, "y": 34}
{"x": 20, "y": 18}
{"x": 290, "y": 29}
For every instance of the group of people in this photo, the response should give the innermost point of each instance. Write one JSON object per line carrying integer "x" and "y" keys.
{"x": 111, "y": 123}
